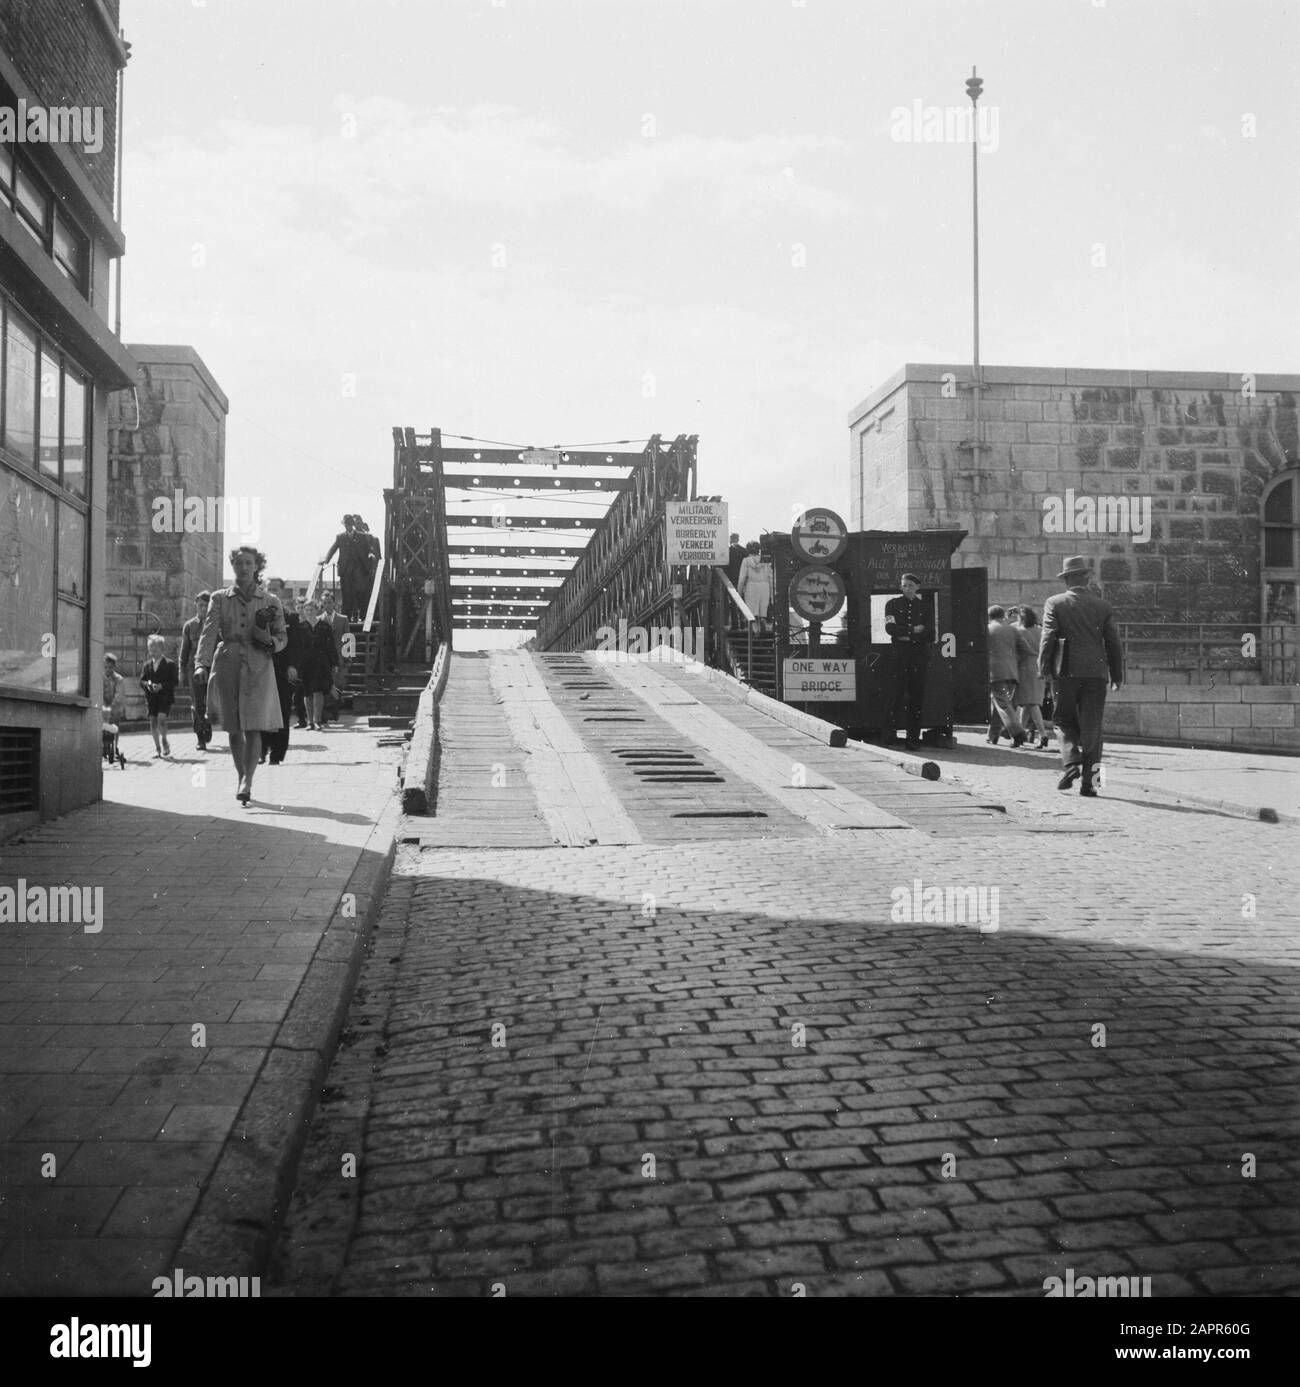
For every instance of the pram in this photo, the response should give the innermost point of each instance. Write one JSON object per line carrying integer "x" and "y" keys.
{"x": 112, "y": 751}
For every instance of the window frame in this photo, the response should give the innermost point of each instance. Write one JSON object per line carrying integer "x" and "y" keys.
{"x": 55, "y": 487}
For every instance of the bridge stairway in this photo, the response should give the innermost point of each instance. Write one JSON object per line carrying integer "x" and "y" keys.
{"x": 761, "y": 674}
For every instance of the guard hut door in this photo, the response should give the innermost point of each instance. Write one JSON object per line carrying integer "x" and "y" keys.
{"x": 970, "y": 602}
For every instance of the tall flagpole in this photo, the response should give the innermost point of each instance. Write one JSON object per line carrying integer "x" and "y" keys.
{"x": 974, "y": 86}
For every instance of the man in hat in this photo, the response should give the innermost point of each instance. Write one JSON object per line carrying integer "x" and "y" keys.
{"x": 1081, "y": 651}
{"x": 909, "y": 621}
{"x": 349, "y": 546}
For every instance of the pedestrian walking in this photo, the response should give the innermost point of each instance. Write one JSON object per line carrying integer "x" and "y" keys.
{"x": 243, "y": 629}
{"x": 111, "y": 711}
{"x": 320, "y": 663}
{"x": 1081, "y": 650}
{"x": 158, "y": 680}
{"x": 909, "y": 621}
{"x": 1029, "y": 683}
{"x": 287, "y": 665}
{"x": 342, "y": 628}
{"x": 198, "y": 687}
{"x": 1004, "y": 674}
{"x": 756, "y": 583}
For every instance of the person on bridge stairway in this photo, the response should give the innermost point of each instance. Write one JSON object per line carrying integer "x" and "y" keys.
{"x": 351, "y": 548}
{"x": 372, "y": 554}
{"x": 756, "y": 582}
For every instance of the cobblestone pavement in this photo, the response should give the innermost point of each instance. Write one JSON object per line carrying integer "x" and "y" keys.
{"x": 731, "y": 1066}
{"x": 153, "y": 1073}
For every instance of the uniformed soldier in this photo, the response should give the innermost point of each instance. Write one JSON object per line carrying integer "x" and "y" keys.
{"x": 909, "y": 620}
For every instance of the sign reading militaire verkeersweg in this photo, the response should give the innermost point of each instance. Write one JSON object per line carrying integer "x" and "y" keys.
{"x": 817, "y": 593}
{"x": 819, "y": 681}
{"x": 696, "y": 531}
{"x": 819, "y": 535}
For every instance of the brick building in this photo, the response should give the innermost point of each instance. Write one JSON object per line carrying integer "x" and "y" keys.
{"x": 59, "y": 68}
{"x": 1182, "y": 487}
{"x": 165, "y": 501}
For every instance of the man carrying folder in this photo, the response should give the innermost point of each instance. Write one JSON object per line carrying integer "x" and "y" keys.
{"x": 1080, "y": 650}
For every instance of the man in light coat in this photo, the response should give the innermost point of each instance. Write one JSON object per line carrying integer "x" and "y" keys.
{"x": 1081, "y": 650}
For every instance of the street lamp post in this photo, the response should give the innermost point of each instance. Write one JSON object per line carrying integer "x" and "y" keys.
{"x": 974, "y": 86}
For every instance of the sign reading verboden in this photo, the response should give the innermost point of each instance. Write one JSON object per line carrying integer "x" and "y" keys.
{"x": 696, "y": 531}
{"x": 819, "y": 681}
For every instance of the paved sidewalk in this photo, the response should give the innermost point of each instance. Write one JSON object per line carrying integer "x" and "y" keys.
{"x": 1242, "y": 783}
{"x": 156, "y": 1074}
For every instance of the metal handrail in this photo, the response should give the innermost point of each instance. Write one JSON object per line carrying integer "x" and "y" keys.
{"x": 1207, "y": 644}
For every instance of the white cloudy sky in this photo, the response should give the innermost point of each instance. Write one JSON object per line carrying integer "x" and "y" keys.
{"x": 699, "y": 198}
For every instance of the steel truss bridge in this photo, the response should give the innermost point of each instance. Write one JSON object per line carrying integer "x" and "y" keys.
{"x": 462, "y": 555}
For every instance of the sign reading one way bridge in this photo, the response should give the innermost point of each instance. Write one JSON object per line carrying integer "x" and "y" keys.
{"x": 819, "y": 681}
{"x": 696, "y": 531}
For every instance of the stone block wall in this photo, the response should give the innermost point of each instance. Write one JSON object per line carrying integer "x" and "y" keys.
{"x": 879, "y": 499}
{"x": 1195, "y": 449}
{"x": 180, "y": 444}
{"x": 1225, "y": 715}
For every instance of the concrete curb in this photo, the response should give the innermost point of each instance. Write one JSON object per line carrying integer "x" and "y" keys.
{"x": 233, "y": 1229}
{"x": 1263, "y": 813}
{"x": 826, "y": 733}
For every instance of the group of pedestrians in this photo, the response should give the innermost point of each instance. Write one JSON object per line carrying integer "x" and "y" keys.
{"x": 1077, "y": 652}
{"x": 1016, "y": 688}
{"x": 250, "y": 662}
{"x": 752, "y": 577}
{"x": 255, "y": 656}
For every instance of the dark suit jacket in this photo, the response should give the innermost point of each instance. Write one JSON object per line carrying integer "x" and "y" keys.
{"x": 295, "y": 650}
{"x": 902, "y": 613}
{"x": 189, "y": 645}
{"x": 1087, "y": 625}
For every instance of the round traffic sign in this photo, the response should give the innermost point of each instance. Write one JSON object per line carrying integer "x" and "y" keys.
{"x": 819, "y": 535}
{"x": 817, "y": 593}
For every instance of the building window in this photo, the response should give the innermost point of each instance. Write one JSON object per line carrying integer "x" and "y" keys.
{"x": 33, "y": 205}
{"x": 44, "y": 220}
{"x": 1281, "y": 577}
{"x": 27, "y": 582}
{"x": 20, "y": 388}
{"x": 74, "y": 431}
{"x": 47, "y": 457}
{"x": 1281, "y": 524}
{"x": 44, "y": 551}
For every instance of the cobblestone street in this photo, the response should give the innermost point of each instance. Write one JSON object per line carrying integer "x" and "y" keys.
{"x": 744, "y": 1064}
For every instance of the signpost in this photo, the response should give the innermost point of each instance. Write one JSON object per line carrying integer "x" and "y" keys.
{"x": 819, "y": 535}
{"x": 696, "y": 532}
{"x": 819, "y": 681}
{"x": 817, "y": 593}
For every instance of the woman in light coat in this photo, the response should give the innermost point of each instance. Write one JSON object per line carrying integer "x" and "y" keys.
{"x": 1029, "y": 683}
{"x": 243, "y": 629}
{"x": 755, "y": 585}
